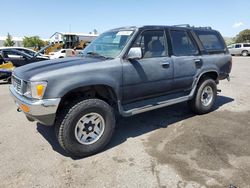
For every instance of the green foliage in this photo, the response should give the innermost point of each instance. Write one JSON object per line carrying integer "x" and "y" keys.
{"x": 33, "y": 42}
{"x": 243, "y": 36}
{"x": 229, "y": 40}
{"x": 9, "y": 41}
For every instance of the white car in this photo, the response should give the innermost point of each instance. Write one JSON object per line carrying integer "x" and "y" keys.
{"x": 62, "y": 53}
{"x": 242, "y": 49}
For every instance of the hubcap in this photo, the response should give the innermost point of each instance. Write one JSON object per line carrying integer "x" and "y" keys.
{"x": 244, "y": 53}
{"x": 89, "y": 128}
{"x": 207, "y": 96}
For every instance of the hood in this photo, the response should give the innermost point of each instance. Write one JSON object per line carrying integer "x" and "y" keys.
{"x": 27, "y": 71}
{"x": 41, "y": 50}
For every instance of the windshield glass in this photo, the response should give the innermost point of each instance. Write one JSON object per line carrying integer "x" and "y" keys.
{"x": 109, "y": 44}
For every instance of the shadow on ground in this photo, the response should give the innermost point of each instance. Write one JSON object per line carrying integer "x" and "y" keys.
{"x": 3, "y": 83}
{"x": 137, "y": 125}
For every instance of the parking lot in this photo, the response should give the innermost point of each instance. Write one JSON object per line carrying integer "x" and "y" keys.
{"x": 170, "y": 147}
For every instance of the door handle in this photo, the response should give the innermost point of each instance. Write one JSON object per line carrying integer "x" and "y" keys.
{"x": 198, "y": 63}
{"x": 165, "y": 65}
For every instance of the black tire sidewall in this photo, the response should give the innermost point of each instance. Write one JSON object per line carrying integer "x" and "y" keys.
{"x": 200, "y": 108}
{"x": 90, "y": 106}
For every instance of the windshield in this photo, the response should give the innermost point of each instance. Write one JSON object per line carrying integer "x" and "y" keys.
{"x": 109, "y": 44}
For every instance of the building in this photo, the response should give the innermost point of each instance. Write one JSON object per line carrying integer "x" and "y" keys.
{"x": 18, "y": 41}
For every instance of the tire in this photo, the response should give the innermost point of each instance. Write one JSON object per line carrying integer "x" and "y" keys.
{"x": 201, "y": 102}
{"x": 244, "y": 53}
{"x": 8, "y": 80}
{"x": 80, "y": 118}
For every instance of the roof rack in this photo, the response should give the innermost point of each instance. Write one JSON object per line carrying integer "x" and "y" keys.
{"x": 187, "y": 25}
{"x": 206, "y": 27}
{"x": 182, "y": 25}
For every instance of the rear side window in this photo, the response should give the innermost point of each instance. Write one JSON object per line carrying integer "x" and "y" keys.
{"x": 182, "y": 43}
{"x": 210, "y": 40}
{"x": 246, "y": 45}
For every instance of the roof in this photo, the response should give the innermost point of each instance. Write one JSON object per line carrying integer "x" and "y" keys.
{"x": 186, "y": 26}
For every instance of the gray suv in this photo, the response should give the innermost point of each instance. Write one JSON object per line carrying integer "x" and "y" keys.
{"x": 126, "y": 71}
{"x": 239, "y": 49}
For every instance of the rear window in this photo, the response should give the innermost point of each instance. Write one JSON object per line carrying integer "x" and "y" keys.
{"x": 210, "y": 40}
{"x": 246, "y": 45}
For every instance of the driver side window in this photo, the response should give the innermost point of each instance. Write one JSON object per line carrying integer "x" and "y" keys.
{"x": 152, "y": 44}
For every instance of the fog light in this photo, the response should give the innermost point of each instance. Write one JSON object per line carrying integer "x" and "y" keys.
{"x": 24, "y": 108}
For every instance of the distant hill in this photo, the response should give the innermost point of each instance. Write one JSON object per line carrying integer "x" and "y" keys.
{"x": 229, "y": 40}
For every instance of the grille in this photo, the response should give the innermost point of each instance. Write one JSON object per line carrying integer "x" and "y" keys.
{"x": 17, "y": 84}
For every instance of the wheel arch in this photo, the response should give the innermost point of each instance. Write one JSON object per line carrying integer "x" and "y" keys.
{"x": 213, "y": 74}
{"x": 100, "y": 91}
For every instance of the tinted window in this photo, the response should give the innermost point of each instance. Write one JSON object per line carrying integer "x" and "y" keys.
{"x": 152, "y": 43}
{"x": 8, "y": 54}
{"x": 182, "y": 43}
{"x": 246, "y": 45}
{"x": 63, "y": 51}
{"x": 27, "y": 52}
{"x": 238, "y": 46}
{"x": 210, "y": 40}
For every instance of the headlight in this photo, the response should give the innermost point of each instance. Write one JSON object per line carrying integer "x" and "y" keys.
{"x": 35, "y": 89}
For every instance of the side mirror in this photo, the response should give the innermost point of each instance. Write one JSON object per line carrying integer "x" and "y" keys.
{"x": 134, "y": 53}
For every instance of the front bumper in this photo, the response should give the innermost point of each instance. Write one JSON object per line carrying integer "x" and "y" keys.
{"x": 43, "y": 111}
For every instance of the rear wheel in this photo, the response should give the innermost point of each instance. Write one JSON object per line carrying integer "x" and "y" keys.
{"x": 204, "y": 97}
{"x": 86, "y": 127}
{"x": 244, "y": 53}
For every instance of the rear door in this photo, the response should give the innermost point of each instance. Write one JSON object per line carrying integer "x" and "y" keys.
{"x": 185, "y": 57}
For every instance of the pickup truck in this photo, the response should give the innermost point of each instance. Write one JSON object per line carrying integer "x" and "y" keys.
{"x": 125, "y": 71}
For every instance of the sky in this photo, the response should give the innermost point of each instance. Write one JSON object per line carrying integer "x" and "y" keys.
{"x": 44, "y": 18}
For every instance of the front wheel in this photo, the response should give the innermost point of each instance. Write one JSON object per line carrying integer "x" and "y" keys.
{"x": 86, "y": 127}
{"x": 204, "y": 97}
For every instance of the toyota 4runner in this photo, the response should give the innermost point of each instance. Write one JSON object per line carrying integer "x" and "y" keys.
{"x": 128, "y": 70}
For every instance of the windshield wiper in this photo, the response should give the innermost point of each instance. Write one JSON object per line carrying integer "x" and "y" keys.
{"x": 98, "y": 55}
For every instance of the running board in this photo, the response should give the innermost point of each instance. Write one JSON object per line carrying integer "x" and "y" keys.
{"x": 153, "y": 106}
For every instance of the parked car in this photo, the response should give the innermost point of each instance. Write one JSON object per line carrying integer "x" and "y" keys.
{"x": 27, "y": 51}
{"x": 6, "y": 69}
{"x": 124, "y": 71}
{"x": 239, "y": 49}
{"x": 62, "y": 53}
{"x": 19, "y": 58}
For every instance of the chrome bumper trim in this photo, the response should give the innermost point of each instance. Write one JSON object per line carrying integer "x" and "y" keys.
{"x": 37, "y": 107}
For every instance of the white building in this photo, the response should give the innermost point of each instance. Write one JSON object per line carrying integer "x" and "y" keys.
{"x": 18, "y": 41}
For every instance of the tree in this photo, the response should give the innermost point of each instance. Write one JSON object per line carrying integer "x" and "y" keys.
{"x": 243, "y": 36}
{"x": 9, "y": 41}
{"x": 33, "y": 42}
{"x": 95, "y": 31}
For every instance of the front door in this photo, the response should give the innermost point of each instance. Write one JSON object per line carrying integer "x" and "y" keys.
{"x": 17, "y": 59}
{"x": 153, "y": 73}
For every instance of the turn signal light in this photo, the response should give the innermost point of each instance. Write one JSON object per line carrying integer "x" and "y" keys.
{"x": 24, "y": 108}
